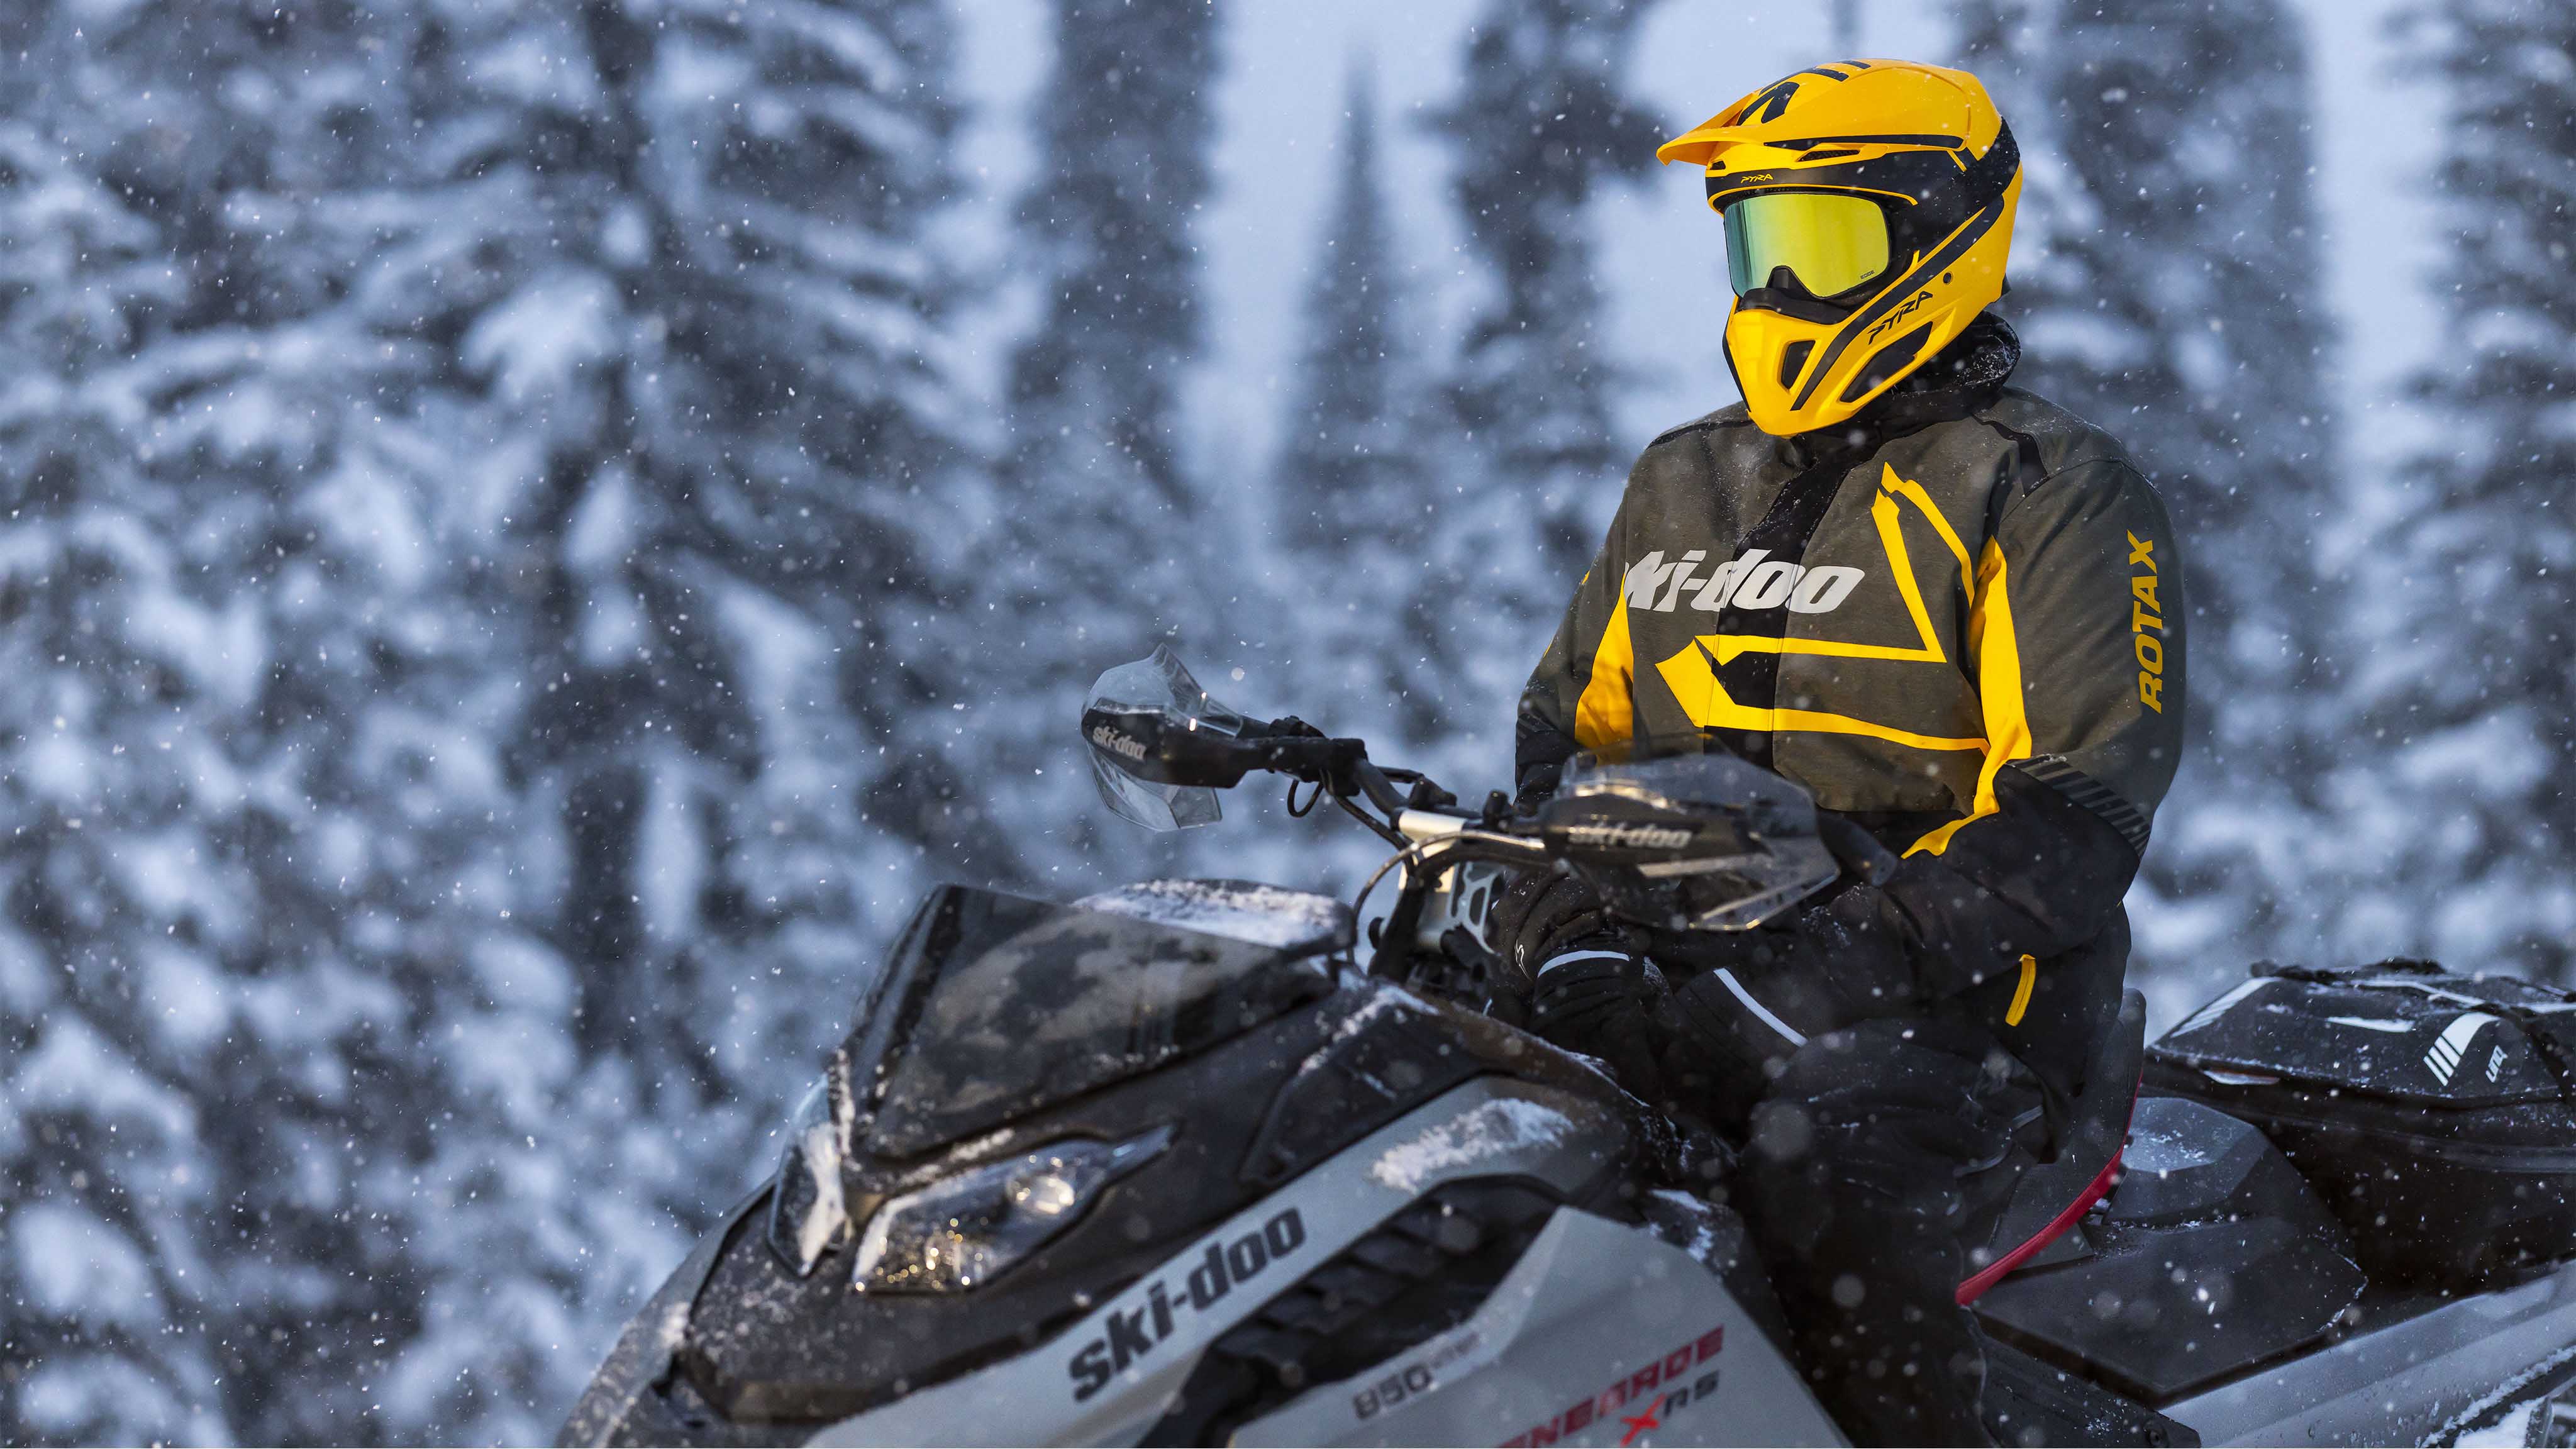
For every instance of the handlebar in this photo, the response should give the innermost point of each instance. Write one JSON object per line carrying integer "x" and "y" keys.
{"x": 1676, "y": 838}
{"x": 1149, "y": 746}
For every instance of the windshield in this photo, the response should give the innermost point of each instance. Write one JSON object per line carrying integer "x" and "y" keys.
{"x": 1016, "y": 1004}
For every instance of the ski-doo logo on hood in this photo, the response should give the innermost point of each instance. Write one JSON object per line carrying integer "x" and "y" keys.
{"x": 1135, "y": 1333}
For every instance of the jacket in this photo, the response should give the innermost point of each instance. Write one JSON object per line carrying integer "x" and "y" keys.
{"x": 1957, "y": 620}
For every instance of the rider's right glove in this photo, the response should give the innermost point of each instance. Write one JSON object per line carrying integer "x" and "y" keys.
{"x": 1842, "y": 958}
{"x": 1748, "y": 1000}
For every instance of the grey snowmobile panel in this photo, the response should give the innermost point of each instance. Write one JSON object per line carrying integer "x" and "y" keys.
{"x": 2435, "y": 1113}
{"x": 2420, "y": 1376}
{"x": 1109, "y": 1373}
{"x": 1603, "y": 1334}
{"x": 1009, "y": 1005}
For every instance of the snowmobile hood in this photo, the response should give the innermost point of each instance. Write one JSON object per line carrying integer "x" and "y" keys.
{"x": 995, "y": 1006}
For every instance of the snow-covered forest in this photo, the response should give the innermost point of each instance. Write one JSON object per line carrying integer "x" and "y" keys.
{"x": 517, "y": 572}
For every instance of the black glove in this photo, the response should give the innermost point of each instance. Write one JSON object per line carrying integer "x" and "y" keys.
{"x": 1541, "y": 916}
{"x": 1598, "y": 998}
{"x": 1602, "y": 1003}
{"x": 1848, "y": 957}
{"x": 1756, "y": 996}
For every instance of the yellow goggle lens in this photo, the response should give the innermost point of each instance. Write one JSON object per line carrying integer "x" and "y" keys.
{"x": 1831, "y": 243}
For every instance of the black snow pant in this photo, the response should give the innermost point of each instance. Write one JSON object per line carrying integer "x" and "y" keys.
{"x": 1874, "y": 1155}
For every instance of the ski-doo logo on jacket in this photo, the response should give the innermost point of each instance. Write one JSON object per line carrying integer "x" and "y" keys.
{"x": 1753, "y": 580}
{"x": 1134, "y": 1333}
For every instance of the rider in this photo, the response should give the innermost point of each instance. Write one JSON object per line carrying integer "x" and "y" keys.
{"x": 1953, "y": 612}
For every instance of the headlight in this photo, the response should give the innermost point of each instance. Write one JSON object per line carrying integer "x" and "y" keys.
{"x": 806, "y": 1213}
{"x": 960, "y": 1231}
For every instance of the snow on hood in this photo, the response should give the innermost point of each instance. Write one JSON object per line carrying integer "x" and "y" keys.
{"x": 1491, "y": 1129}
{"x": 1261, "y": 915}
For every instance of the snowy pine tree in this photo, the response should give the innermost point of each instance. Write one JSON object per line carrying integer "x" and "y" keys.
{"x": 1093, "y": 555}
{"x": 2006, "y": 45}
{"x": 261, "y": 830}
{"x": 105, "y": 1170}
{"x": 2453, "y": 808}
{"x": 712, "y": 356}
{"x": 1998, "y": 42}
{"x": 1349, "y": 490}
{"x": 1540, "y": 124}
{"x": 471, "y": 590}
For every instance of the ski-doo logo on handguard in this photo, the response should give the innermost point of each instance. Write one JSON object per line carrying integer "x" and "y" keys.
{"x": 1627, "y": 835}
{"x": 1116, "y": 743}
{"x": 1134, "y": 1333}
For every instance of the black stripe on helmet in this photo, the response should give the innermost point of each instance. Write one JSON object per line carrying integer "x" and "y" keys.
{"x": 1990, "y": 175}
{"x": 1946, "y": 143}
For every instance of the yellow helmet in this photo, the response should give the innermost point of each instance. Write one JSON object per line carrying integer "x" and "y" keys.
{"x": 1869, "y": 208}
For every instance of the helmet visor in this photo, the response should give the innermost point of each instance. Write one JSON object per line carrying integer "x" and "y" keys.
{"x": 1830, "y": 242}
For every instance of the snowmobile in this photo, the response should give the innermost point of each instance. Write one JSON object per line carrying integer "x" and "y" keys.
{"x": 1188, "y": 1162}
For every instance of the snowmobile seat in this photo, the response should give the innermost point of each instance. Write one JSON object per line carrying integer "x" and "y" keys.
{"x": 2052, "y": 1196}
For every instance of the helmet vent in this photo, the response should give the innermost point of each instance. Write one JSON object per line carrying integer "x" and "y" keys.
{"x": 1892, "y": 359}
{"x": 1793, "y": 358}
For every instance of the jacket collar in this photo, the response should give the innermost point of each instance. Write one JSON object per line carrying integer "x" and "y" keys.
{"x": 1961, "y": 378}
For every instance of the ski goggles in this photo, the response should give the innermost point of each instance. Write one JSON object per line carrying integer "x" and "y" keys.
{"x": 1831, "y": 242}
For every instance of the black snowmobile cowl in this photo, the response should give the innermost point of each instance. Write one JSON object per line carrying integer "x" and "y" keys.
{"x": 2435, "y": 1113}
{"x": 759, "y": 1342}
{"x": 995, "y": 1006}
{"x": 2210, "y": 1254}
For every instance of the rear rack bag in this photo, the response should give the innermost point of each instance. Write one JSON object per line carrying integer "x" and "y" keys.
{"x": 2434, "y": 1112}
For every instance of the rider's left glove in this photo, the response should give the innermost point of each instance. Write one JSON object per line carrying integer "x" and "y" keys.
{"x": 1540, "y": 916}
{"x": 1600, "y": 1001}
